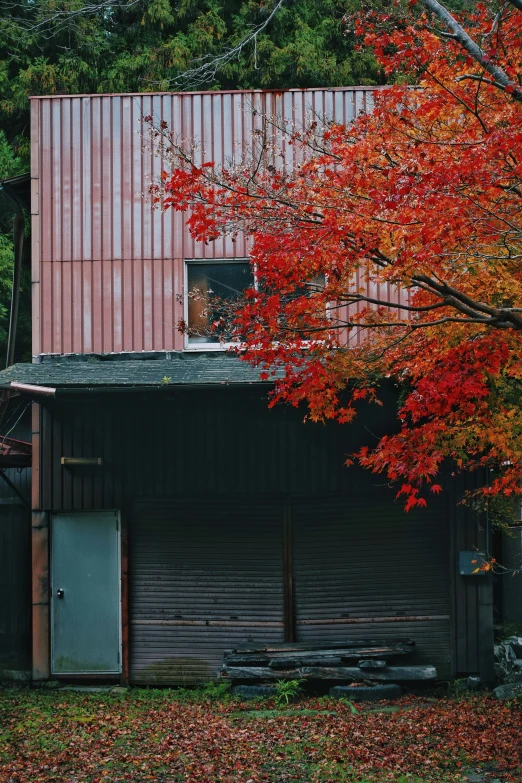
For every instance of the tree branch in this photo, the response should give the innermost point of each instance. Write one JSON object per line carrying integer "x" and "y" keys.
{"x": 212, "y": 64}
{"x": 472, "y": 48}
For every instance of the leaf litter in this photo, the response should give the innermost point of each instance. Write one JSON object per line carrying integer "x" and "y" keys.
{"x": 67, "y": 737}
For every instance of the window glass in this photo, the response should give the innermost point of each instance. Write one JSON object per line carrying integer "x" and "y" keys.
{"x": 210, "y": 286}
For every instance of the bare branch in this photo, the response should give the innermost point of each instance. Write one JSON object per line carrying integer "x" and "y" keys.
{"x": 472, "y": 47}
{"x": 59, "y": 18}
{"x": 212, "y": 64}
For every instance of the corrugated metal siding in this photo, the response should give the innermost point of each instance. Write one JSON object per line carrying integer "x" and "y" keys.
{"x": 201, "y": 443}
{"x": 473, "y": 596}
{"x": 214, "y": 444}
{"x": 106, "y": 269}
{"x": 365, "y": 569}
{"x": 205, "y": 575}
{"x": 15, "y": 552}
{"x": 15, "y": 587}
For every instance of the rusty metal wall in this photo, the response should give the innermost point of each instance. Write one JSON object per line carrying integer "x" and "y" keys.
{"x": 108, "y": 271}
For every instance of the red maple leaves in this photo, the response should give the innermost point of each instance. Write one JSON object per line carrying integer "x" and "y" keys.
{"x": 411, "y": 219}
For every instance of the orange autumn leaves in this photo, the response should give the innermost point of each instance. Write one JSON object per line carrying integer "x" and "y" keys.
{"x": 411, "y": 220}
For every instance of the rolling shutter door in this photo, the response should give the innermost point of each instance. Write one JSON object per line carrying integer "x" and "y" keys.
{"x": 365, "y": 569}
{"x": 205, "y": 575}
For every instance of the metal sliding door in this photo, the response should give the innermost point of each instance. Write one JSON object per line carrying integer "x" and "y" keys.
{"x": 363, "y": 568}
{"x": 205, "y": 575}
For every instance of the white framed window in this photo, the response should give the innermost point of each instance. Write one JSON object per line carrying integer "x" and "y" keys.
{"x": 210, "y": 285}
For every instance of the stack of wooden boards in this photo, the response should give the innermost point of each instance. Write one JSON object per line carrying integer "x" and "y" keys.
{"x": 355, "y": 661}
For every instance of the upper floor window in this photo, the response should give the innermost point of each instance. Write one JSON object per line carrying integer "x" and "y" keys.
{"x": 210, "y": 287}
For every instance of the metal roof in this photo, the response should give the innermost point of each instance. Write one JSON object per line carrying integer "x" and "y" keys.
{"x": 120, "y": 372}
{"x": 154, "y": 93}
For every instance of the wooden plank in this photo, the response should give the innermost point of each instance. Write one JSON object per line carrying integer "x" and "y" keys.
{"x": 344, "y": 645}
{"x": 351, "y": 654}
{"x": 236, "y": 659}
{"x": 297, "y": 662}
{"x": 372, "y": 664}
{"x": 383, "y": 652}
{"x": 295, "y": 658}
{"x": 352, "y": 673}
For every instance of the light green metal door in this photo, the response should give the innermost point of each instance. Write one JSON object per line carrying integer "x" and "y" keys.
{"x": 85, "y": 593}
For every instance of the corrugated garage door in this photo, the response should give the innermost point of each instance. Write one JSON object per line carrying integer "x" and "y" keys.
{"x": 365, "y": 569}
{"x": 205, "y": 575}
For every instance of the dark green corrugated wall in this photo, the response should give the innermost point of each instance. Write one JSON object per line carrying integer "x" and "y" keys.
{"x": 208, "y": 449}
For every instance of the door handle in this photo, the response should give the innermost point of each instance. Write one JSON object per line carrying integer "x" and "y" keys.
{"x": 59, "y": 593}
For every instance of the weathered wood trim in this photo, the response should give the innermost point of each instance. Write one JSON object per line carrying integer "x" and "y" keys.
{"x": 35, "y": 476}
{"x": 40, "y": 596}
{"x": 360, "y": 644}
{"x": 313, "y": 657}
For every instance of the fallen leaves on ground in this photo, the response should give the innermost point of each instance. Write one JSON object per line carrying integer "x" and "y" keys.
{"x": 74, "y": 737}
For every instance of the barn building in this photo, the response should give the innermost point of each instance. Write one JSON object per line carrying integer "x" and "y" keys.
{"x": 173, "y": 514}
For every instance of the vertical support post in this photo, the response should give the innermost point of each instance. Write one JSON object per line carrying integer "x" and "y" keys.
{"x": 40, "y": 595}
{"x": 35, "y": 459}
{"x": 124, "y": 678}
{"x": 485, "y": 631}
{"x": 451, "y": 516}
{"x": 288, "y": 572}
{"x": 40, "y": 564}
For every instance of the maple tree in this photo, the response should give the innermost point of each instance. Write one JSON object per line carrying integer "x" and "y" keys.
{"x": 393, "y": 248}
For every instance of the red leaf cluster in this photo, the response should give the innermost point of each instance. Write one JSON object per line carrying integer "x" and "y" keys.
{"x": 393, "y": 248}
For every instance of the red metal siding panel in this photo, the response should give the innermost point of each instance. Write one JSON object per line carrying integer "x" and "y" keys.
{"x": 109, "y": 269}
